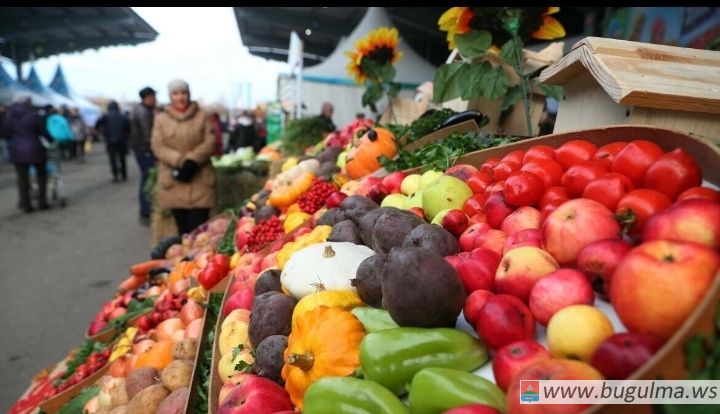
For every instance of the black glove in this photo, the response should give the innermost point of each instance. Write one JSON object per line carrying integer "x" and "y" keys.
{"x": 186, "y": 172}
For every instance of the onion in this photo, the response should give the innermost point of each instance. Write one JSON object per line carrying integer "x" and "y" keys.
{"x": 166, "y": 328}
{"x": 191, "y": 311}
{"x": 194, "y": 329}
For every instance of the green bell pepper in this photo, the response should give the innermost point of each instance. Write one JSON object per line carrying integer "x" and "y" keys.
{"x": 347, "y": 395}
{"x": 374, "y": 319}
{"x": 434, "y": 390}
{"x": 393, "y": 356}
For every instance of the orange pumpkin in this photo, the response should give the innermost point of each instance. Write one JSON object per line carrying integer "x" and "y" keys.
{"x": 157, "y": 356}
{"x": 363, "y": 160}
{"x": 289, "y": 192}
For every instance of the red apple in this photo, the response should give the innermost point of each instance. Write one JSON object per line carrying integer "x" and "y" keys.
{"x": 474, "y": 205}
{"x": 476, "y": 268}
{"x": 256, "y": 395}
{"x": 559, "y": 289}
{"x": 496, "y": 209}
{"x": 366, "y": 184}
{"x": 659, "y": 283}
{"x": 377, "y": 192}
{"x": 693, "y": 220}
{"x": 479, "y": 181}
{"x": 623, "y": 353}
{"x": 550, "y": 369}
{"x": 418, "y": 211}
{"x": 242, "y": 299}
{"x": 528, "y": 237}
{"x": 335, "y": 199}
{"x": 455, "y": 221}
{"x": 523, "y": 218}
{"x": 491, "y": 239}
{"x": 472, "y": 409}
{"x": 574, "y": 225}
{"x": 467, "y": 238}
{"x": 392, "y": 181}
{"x": 504, "y": 319}
{"x": 598, "y": 261}
{"x": 550, "y": 207}
{"x": 474, "y": 302}
{"x": 520, "y": 269}
{"x": 462, "y": 171}
{"x": 513, "y": 357}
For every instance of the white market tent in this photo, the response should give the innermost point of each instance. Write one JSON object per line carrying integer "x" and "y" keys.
{"x": 88, "y": 110}
{"x": 9, "y": 87}
{"x": 330, "y": 81}
{"x": 33, "y": 82}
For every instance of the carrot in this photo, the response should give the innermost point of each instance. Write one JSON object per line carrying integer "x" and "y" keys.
{"x": 132, "y": 282}
{"x": 142, "y": 269}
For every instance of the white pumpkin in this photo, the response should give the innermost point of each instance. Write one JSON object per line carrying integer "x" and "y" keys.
{"x": 310, "y": 165}
{"x": 329, "y": 266}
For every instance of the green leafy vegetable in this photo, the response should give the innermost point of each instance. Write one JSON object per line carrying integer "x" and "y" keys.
{"x": 302, "y": 133}
{"x": 226, "y": 245}
{"x": 422, "y": 126}
{"x": 77, "y": 404}
{"x": 86, "y": 349}
{"x": 134, "y": 308}
{"x": 203, "y": 385}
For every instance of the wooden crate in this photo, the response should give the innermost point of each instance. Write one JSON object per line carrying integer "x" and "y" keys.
{"x": 669, "y": 362}
{"x": 616, "y": 82}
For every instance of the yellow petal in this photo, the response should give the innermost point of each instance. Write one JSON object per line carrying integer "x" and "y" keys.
{"x": 551, "y": 29}
{"x": 551, "y": 10}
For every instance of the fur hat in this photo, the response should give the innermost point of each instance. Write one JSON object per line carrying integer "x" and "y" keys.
{"x": 178, "y": 85}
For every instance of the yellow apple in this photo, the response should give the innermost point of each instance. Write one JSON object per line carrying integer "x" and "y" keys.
{"x": 576, "y": 331}
{"x": 226, "y": 365}
{"x": 236, "y": 315}
{"x": 236, "y": 333}
{"x": 410, "y": 184}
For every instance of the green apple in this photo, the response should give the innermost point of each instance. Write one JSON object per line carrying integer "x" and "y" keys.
{"x": 448, "y": 192}
{"x": 413, "y": 200}
{"x": 341, "y": 159}
{"x": 429, "y": 178}
{"x": 396, "y": 200}
{"x": 410, "y": 184}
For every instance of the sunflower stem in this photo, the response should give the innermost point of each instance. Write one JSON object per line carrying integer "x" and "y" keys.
{"x": 523, "y": 80}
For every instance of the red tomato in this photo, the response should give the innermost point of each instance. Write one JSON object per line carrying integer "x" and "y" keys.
{"x": 579, "y": 175}
{"x": 474, "y": 204}
{"x": 538, "y": 152}
{"x": 478, "y": 181}
{"x": 547, "y": 169}
{"x": 635, "y": 159}
{"x": 503, "y": 169}
{"x": 550, "y": 207}
{"x": 489, "y": 164}
{"x": 523, "y": 188}
{"x": 608, "y": 189}
{"x": 699, "y": 192}
{"x": 638, "y": 206}
{"x": 551, "y": 194}
{"x": 516, "y": 156}
{"x": 607, "y": 153}
{"x": 673, "y": 173}
{"x": 575, "y": 151}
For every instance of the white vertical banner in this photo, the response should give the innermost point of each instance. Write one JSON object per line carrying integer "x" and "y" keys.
{"x": 295, "y": 61}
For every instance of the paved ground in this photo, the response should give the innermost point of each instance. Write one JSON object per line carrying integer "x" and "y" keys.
{"x": 58, "y": 267}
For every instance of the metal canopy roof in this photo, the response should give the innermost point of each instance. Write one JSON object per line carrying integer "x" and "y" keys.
{"x": 266, "y": 30}
{"x": 38, "y": 32}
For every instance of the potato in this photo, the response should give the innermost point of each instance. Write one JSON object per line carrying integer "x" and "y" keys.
{"x": 139, "y": 379}
{"x": 177, "y": 374}
{"x": 175, "y": 403}
{"x": 123, "y": 409}
{"x": 148, "y": 400}
{"x": 185, "y": 349}
{"x": 118, "y": 393}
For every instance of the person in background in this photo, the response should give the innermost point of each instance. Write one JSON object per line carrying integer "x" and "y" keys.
{"x": 22, "y": 127}
{"x": 217, "y": 130}
{"x": 141, "y": 125}
{"x": 244, "y": 134}
{"x": 326, "y": 114}
{"x": 260, "y": 130}
{"x": 80, "y": 131}
{"x": 59, "y": 129}
{"x": 115, "y": 128}
{"x": 183, "y": 142}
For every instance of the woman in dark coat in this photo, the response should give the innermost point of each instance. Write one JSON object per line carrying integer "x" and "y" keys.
{"x": 23, "y": 128}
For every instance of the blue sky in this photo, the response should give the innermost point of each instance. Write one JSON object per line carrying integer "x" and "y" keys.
{"x": 200, "y": 45}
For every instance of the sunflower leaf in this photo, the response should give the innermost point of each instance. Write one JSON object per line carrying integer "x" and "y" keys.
{"x": 508, "y": 54}
{"x": 473, "y": 43}
{"x": 494, "y": 83}
{"x": 553, "y": 91}
{"x": 474, "y": 87}
{"x": 450, "y": 81}
{"x": 393, "y": 89}
{"x": 372, "y": 94}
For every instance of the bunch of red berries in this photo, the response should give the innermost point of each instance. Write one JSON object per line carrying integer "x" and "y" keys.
{"x": 264, "y": 233}
{"x": 316, "y": 196}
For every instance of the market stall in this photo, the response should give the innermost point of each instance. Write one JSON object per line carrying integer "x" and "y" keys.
{"x": 421, "y": 268}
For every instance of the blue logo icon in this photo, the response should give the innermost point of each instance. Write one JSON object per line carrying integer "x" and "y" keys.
{"x": 530, "y": 391}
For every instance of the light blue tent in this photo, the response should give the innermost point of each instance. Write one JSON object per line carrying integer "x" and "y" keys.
{"x": 88, "y": 110}
{"x": 33, "y": 82}
{"x": 9, "y": 87}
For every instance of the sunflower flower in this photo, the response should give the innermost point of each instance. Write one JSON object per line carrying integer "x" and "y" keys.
{"x": 380, "y": 46}
{"x": 456, "y": 20}
{"x": 551, "y": 28}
